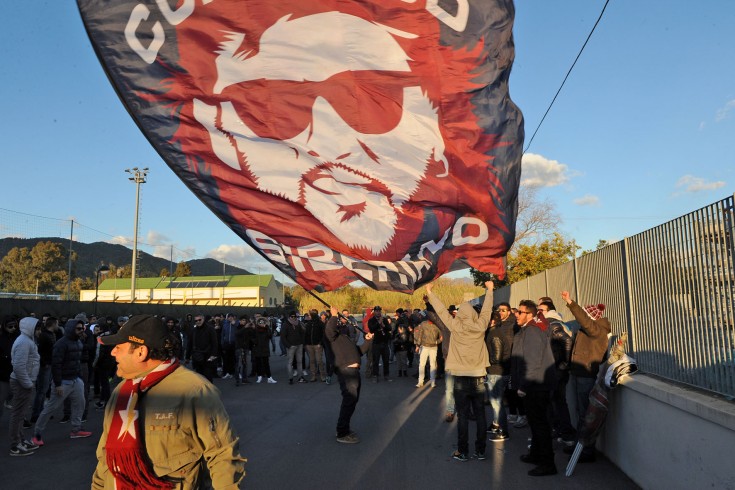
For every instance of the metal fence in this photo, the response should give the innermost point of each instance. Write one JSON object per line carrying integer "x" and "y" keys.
{"x": 671, "y": 287}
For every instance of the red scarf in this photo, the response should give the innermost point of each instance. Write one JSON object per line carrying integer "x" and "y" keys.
{"x": 126, "y": 457}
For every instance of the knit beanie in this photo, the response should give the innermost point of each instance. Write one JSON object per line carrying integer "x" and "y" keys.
{"x": 595, "y": 311}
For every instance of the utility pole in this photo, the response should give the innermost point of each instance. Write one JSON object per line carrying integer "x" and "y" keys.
{"x": 138, "y": 176}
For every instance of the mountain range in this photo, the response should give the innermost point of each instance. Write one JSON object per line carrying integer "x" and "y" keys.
{"x": 91, "y": 255}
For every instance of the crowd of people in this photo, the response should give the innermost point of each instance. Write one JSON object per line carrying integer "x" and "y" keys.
{"x": 502, "y": 367}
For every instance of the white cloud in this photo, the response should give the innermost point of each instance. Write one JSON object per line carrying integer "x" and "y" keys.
{"x": 156, "y": 239}
{"x": 539, "y": 171}
{"x": 241, "y": 256}
{"x": 724, "y": 111}
{"x": 690, "y": 183}
{"x": 587, "y": 200}
{"x": 121, "y": 240}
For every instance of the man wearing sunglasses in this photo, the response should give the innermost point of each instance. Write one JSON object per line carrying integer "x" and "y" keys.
{"x": 533, "y": 377}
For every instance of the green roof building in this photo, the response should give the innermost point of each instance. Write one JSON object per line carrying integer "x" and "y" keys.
{"x": 240, "y": 290}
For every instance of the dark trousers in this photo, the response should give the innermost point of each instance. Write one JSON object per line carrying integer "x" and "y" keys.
{"x": 329, "y": 356}
{"x": 228, "y": 359}
{"x": 469, "y": 393}
{"x": 205, "y": 368}
{"x": 560, "y": 409}
{"x": 262, "y": 366}
{"x": 381, "y": 351}
{"x": 349, "y": 383}
{"x": 538, "y": 404}
{"x": 515, "y": 403}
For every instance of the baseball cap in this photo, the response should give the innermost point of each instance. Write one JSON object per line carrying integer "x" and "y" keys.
{"x": 141, "y": 329}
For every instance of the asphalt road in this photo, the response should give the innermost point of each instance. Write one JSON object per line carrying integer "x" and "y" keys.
{"x": 288, "y": 435}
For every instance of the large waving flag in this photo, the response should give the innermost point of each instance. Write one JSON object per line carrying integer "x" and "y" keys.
{"x": 343, "y": 140}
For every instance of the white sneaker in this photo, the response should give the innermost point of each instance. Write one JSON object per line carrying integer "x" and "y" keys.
{"x": 260, "y": 378}
{"x": 272, "y": 381}
{"x": 512, "y": 418}
{"x": 522, "y": 421}
{"x": 295, "y": 373}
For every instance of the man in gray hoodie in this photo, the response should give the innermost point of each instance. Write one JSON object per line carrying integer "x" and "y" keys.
{"x": 26, "y": 363}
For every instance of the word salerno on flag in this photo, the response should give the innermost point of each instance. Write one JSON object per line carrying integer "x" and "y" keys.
{"x": 351, "y": 140}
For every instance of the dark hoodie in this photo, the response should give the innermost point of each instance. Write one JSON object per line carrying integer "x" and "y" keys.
{"x": 67, "y": 357}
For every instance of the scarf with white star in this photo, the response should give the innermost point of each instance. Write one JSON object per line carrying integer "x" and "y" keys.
{"x": 126, "y": 457}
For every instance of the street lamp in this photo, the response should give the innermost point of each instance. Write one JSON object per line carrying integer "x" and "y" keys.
{"x": 102, "y": 269}
{"x": 138, "y": 176}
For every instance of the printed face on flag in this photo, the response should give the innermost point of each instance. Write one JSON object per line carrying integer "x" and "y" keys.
{"x": 375, "y": 142}
{"x": 352, "y": 173}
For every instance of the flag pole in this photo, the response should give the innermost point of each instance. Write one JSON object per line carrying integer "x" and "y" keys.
{"x": 339, "y": 314}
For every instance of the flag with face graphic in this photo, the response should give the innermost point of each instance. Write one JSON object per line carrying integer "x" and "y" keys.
{"x": 343, "y": 140}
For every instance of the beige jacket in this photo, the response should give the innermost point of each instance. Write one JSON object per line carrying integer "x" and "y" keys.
{"x": 186, "y": 427}
{"x": 467, "y": 350}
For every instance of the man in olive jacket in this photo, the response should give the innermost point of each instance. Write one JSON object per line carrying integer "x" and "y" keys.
{"x": 164, "y": 423}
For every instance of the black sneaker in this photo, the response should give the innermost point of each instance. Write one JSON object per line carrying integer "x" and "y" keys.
{"x": 99, "y": 405}
{"x": 493, "y": 428}
{"x": 460, "y": 456}
{"x": 65, "y": 419}
{"x": 543, "y": 470}
{"x": 499, "y": 437}
{"x": 480, "y": 455}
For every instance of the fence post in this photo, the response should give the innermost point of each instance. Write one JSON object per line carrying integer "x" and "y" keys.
{"x": 628, "y": 297}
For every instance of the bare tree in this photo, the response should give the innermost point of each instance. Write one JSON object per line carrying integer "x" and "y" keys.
{"x": 538, "y": 218}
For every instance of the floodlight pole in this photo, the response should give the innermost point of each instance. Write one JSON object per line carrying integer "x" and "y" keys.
{"x": 139, "y": 177}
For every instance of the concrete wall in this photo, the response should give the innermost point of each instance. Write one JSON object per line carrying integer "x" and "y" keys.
{"x": 667, "y": 436}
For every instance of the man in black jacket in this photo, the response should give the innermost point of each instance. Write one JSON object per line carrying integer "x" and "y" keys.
{"x": 561, "y": 347}
{"x": 66, "y": 372}
{"x": 202, "y": 350}
{"x": 380, "y": 327}
{"x": 347, "y": 366}
{"x": 533, "y": 377}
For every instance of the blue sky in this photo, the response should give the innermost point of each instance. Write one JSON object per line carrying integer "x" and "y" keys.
{"x": 643, "y": 131}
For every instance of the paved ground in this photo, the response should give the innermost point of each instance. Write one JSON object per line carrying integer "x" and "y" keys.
{"x": 287, "y": 434}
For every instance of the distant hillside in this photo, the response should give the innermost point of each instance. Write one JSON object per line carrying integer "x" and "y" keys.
{"x": 90, "y": 255}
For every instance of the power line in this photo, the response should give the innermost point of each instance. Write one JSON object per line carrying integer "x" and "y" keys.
{"x": 567, "y": 76}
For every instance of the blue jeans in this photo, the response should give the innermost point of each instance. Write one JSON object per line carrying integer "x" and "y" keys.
{"x": 449, "y": 391}
{"x": 496, "y": 386}
{"x": 582, "y": 387}
{"x": 470, "y": 391}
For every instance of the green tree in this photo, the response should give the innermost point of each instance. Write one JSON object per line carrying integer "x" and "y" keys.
{"x": 182, "y": 269}
{"x": 42, "y": 269}
{"x": 164, "y": 272}
{"x": 600, "y": 244}
{"x": 529, "y": 260}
